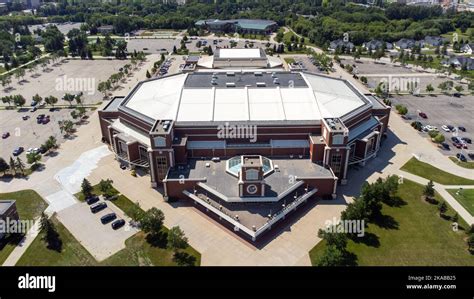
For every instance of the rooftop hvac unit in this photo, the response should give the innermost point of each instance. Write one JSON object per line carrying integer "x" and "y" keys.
{"x": 165, "y": 127}
{"x": 230, "y": 74}
{"x": 274, "y": 75}
{"x": 230, "y": 84}
{"x": 213, "y": 82}
{"x": 261, "y": 84}
{"x": 276, "y": 81}
{"x": 258, "y": 74}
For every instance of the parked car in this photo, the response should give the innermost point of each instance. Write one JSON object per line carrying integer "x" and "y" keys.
{"x": 39, "y": 118}
{"x": 45, "y": 120}
{"x": 451, "y": 128}
{"x": 423, "y": 115}
{"x": 462, "y": 128}
{"x": 445, "y": 128}
{"x": 32, "y": 150}
{"x": 455, "y": 139}
{"x": 98, "y": 207}
{"x": 406, "y": 117}
{"x": 445, "y": 146}
{"x": 92, "y": 199}
{"x": 5, "y": 135}
{"x": 107, "y": 218}
{"x": 461, "y": 157}
{"x": 471, "y": 154}
{"x": 25, "y": 117}
{"x": 18, "y": 151}
{"x": 33, "y": 103}
{"x": 457, "y": 144}
{"x": 466, "y": 139}
{"x": 33, "y": 109}
{"x": 118, "y": 223}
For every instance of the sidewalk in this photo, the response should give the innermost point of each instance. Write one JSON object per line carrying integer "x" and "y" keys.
{"x": 441, "y": 189}
{"x": 20, "y": 249}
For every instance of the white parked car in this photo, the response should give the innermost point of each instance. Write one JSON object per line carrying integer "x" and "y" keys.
{"x": 431, "y": 128}
{"x": 445, "y": 128}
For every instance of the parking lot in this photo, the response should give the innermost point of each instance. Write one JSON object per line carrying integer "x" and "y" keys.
{"x": 101, "y": 240}
{"x": 69, "y": 76}
{"x": 28, "y": 133}
{"x": 442, "y": 110}
{"x": 162, "y": 45}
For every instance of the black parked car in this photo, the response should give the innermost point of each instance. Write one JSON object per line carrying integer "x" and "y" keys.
{"x": 461, "y": 157}
{"x": 455, "y": 139}
{"x": 445, "y": 145}
{"x": 98, "y": 207}
{"x": 462, "y": 129}
{"x": 92, "y": 199}
{"x": 118, "y": 224}
{"x": 466, "y": 139}
{"x": 107, "y": 218}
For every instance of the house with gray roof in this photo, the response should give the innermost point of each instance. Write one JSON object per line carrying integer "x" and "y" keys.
{"x": 377, "y": 44}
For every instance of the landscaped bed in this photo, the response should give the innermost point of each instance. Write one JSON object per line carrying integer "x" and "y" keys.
{"x": 430, "y": 172}
{"x": 410, "y": 233}
{"x": 29, "y": 205}
{"x": 469, "y": 165}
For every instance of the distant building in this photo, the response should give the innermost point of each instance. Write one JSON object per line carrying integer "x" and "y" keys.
{"x": 459, "y": 62}
{"x": 468, "y": 48}
{"x": 7, "y": 211}
{"x": 340, "y": 44}
{"x": 434, "y": 41}
{"x": 406, "y": 43}
{"x": 106, "y": 29}
{"x": 252, "y": 26}
{"x": 377, "y": 44}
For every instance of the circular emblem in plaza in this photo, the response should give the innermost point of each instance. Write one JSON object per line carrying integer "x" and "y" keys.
{"x": 252, "y": 189}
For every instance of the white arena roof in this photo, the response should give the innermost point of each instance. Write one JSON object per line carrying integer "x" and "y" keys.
{"x": 239, "y": 53}
{"x": 244, "y": 96}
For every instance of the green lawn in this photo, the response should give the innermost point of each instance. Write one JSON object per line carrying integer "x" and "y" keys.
{"x": 465, "y": 198}
{"x": 29, "y": 206}
{"x": 71, "y": 254}
{"x": 409, "y": 233}
{"x": 289, "y": 60}
{"x": 430, "y": 172}
{"x": 469, "y": 165}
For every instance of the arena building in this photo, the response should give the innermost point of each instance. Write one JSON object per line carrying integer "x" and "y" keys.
{"x": 247, "y": 147}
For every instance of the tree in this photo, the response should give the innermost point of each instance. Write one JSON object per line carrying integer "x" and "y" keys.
{"x": 429, "y": 191}
{"x": 19, "y": 100}
{"x": 333, "y": 238}
{"x": 51, "y": 100}
{"x": 12, "y": 165}
{"x": 105, "y": 186}
{"x": 121, "y": 49}
{"x": 176, "y": 239}
{"x": 152, "y": 221}
{"x": 69, "y": 98}
{"x": 37, "y": 98}
{"x": 86, "y": 188}
{"x": 3, "y": 166}
{"x": 19, "y": 165}
{"x": 331, "y": 257}
{"x": 429, "y": 88}
{"x": 66, "y": 127}
{"x": 459, "y": 88}
{"x": 50, "y": 236}
{"x": 33, "y": 159}
{"x": 442, "y": 208}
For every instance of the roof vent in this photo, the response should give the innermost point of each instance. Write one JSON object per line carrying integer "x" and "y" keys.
{"x": 230, "y": 84}
{"x": 213, "y": 82}
{"x": 274, "y": 75}
{"x": 261, "y": 84}
{"x": 276, "y": 81}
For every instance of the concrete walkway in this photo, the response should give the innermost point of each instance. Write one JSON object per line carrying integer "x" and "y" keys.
{"x": 441, "y": 189}
{"x": 20, "y": 249}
